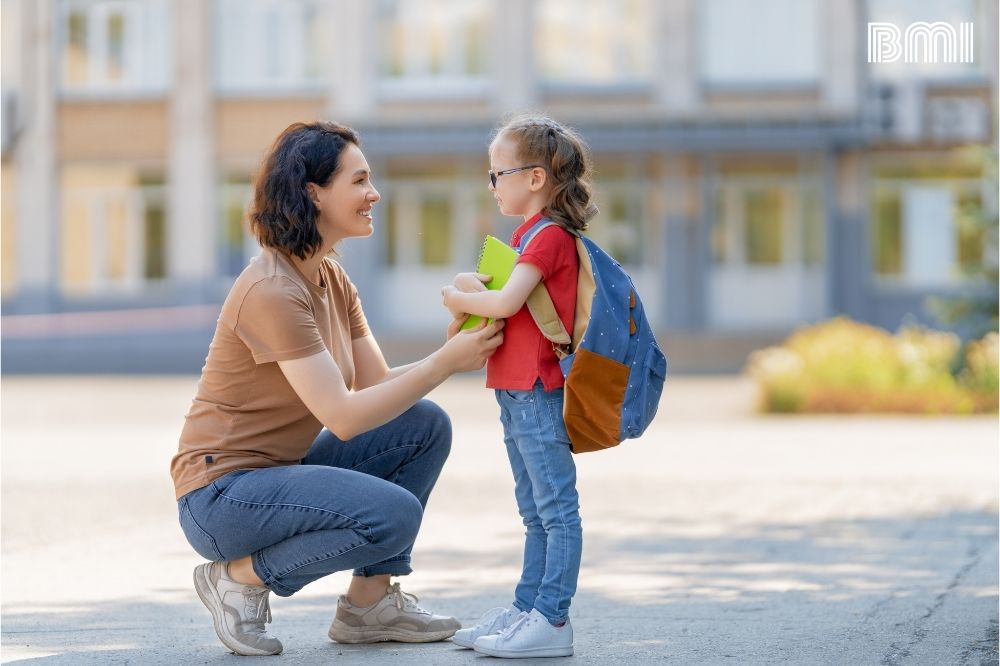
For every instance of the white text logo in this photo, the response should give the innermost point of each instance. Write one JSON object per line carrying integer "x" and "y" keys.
{"x": 920, "y": 42}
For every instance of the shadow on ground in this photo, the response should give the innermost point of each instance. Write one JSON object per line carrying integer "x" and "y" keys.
{"x": 881, "y": 591}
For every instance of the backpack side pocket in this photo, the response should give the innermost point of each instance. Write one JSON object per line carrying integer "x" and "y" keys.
{"x": 644, "y": 393}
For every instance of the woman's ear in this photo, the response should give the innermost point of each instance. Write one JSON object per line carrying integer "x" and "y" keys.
{"x": 313, "y": 190}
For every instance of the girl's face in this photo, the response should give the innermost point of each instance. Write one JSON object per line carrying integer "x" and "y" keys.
{"x": 519, "y": 193}
{"x": 345, "y": 205}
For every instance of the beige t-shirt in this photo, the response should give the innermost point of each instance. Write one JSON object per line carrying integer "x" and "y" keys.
{"x": 246, "y": 414}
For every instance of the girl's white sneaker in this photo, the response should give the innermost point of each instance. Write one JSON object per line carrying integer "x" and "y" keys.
{"x": 530, "y": 636}
{"x": 493, "y": 621}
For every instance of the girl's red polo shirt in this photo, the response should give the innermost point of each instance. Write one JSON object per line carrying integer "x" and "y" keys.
{"x": 526, "y": 354}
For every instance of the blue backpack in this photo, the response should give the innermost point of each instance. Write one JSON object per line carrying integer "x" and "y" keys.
{"x": 613, "y": 368}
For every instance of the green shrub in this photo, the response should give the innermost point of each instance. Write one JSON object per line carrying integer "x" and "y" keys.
{"x": 845, "y": 366}
{"x": 981, "y": 375}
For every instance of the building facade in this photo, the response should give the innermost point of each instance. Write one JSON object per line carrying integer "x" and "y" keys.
{"x": 754, "y": 171}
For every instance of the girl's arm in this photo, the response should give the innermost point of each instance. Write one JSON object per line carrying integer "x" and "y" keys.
{"x": 320, "y": 385}
{"x": 495, "y": 304}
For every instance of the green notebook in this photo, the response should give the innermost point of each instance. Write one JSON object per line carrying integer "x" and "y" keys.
{"x": 496, "y": 259}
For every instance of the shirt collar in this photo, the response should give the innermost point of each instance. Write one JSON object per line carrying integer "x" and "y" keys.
{"x": 515, "y": 239}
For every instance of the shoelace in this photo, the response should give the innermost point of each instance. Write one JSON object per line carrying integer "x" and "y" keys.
{"x": 257, "y": 608}
{"x": 523, "y": 621}
{"x": 405, "y": 600}
{"x": 492, "y": 619}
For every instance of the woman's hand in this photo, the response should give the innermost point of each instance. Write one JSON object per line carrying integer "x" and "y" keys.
{"x": 471, "y": 282}
{"x": 468, "y": 350}
{"x": 455, "y": 327}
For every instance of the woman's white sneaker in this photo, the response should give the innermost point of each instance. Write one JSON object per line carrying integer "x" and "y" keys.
{"x": 493, "y": 621}
{"x": 530, "y": 635}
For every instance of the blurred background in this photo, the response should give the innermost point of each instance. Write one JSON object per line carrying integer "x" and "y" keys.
{"x": 754, "y": 172}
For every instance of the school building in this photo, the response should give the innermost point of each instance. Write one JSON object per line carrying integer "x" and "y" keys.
{"x": 755, "y": 172}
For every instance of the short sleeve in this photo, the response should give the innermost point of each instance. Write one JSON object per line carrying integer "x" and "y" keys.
{"x": 548, "y": 249}
{"x": 276, "y": 322}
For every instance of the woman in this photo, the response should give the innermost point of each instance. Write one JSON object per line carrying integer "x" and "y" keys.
{"x": 303, "y": 452}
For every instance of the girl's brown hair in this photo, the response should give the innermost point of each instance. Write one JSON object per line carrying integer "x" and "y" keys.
{"x": 282, "y": 214}
{"x": 563, "y": 153}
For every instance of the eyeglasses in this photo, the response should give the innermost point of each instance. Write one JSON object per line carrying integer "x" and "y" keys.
{"x": 494, "y": 176}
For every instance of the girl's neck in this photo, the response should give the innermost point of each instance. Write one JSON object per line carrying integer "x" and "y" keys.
{"x": 537, "y": 211}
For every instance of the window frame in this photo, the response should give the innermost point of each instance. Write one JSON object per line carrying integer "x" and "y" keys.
{"x": 768, "y": 83}
{"x": 562, "y": 84}
{"x": 257, "y": 28}
{"x": 147, "y": 58}
{"x": 900, "y": 281}
{"x": 448, "y": 85}
{"x": 95, "y": 201}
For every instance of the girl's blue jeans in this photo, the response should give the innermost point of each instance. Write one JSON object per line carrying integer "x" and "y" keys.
{"x": 349, "y": 505}
{"x": 545, "y": 488}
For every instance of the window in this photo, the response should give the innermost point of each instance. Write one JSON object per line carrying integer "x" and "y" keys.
{"x": 902, "y": 13}
{"x": 924, "y": 230}
{"x": 8, "y": 229}
{"x": 113, "y": 232}
{"x": 813, "y": 240}
{"x": 767, "y": 222}
{"x": 236, "y": 244}
{"x": 762, "y": 231}
{"x": 590, "y": 42}
{"x": 435, "y": 231}
{"x": 619, "y": 226}
{"x": 113, "y": 45}
{"x": 268, "y": 44}
{"x": 767, "y": 238}
{"x": 761, "y": 43}
{"x": 438, "y": 43}
{"x": 434, "y": 222}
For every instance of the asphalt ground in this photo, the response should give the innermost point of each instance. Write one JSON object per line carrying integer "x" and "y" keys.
{"x": 720, "y": 537}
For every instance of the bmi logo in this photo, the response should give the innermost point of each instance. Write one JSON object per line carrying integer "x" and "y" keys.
{"x": 920, "y": 42}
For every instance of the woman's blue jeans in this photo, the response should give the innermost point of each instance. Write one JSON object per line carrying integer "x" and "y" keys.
{"x": 545, "y": 488}
{"x": 348, "y": 505}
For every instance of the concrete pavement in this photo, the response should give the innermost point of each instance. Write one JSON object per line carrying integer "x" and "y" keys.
{"x": 719, "y": 538}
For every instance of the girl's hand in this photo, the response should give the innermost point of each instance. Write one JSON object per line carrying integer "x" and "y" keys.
{"x": 471, "y": 282}
{"x": 468, "y": 350}
{"x": 447, "y": 298}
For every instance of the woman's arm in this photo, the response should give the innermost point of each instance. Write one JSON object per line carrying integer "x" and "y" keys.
{"x": 495, "y": 304}
{"x": 370, "y": 367}
{"x": 320, "y": 385}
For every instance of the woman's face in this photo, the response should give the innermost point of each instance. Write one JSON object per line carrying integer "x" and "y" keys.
{"x": 345, "y": 205}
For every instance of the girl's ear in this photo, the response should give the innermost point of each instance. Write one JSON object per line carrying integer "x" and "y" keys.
{"x": 539, "y": 177}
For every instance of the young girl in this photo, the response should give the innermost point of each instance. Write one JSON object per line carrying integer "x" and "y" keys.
{"x": 539, "y": 169}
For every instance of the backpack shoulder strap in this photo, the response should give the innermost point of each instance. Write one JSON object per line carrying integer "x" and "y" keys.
{"x": 540, "y": 304}
{"x": 543, "y": 311}
{"x": 532, "y": 232}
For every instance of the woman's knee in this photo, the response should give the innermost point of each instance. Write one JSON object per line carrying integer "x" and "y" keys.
{"x": 402, "y": 515}
{"x": 436, "y": 423}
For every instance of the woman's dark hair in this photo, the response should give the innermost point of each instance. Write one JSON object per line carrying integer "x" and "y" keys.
{"x": 563, "y": 153}
{"x": 282, "y": 213}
